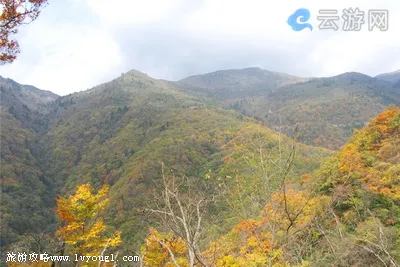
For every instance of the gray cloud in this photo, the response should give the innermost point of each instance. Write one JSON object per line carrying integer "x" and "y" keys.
{"x": 169, "y": 54}
{"x": 77, "y": 44}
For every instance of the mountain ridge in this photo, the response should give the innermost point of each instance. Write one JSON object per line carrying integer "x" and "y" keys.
{"x": 49, "y": 95}
{"x": 391, "y": 77}
{"x": 237, "y": 82}
{"x": 138, "y": 73}
{"x": 116, "y": 133}
{"x": 311, "y": 103}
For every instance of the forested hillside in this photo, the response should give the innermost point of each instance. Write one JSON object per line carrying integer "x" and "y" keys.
{"x": 117, "y": 134}
{"x": 326, "y": 110}
{"x": 25, "y": 197}
{"x": 391, "y": 77}
{"x": 230, "y": 84}
{"x": 347, "y": 213}
{"x": 139, "y": 166}
{"x": 231, "y": 168}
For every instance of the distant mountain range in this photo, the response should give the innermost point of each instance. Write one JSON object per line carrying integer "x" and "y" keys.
{"x": 229, "y": 84}
{"x": 120, "y": 131}
{"x": 327, "y": 110}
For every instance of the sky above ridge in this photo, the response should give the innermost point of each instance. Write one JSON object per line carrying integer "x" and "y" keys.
{"x": 77, "y": 44}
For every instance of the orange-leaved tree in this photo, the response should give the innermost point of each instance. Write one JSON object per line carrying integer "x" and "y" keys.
{"x": 164, "y": 250}
{"x": 83, "y": 230}
{"x": 13, "y": 14}
{"x": 288, "y": 219}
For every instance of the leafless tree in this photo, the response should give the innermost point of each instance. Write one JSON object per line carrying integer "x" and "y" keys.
{"x": 376, "y": 243}
{"x": 181, "y": 208}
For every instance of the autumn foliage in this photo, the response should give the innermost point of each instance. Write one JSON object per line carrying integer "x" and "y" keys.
{"x": 287, "y": 218}
{"x": 345, "y": 214}
{"x": 372, "y": 156}
{"x": 15, "y": 13}
{"x": 164, "y": 250}
{"x": 83, "y": 231}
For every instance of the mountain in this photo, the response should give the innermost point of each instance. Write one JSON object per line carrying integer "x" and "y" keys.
{"x": 117, "y": 133}
{"x": 325, "y": 110}
{"x": 236, "y": 83}
{"x": 25, "y": 194}
{"x": 365, "y": 171}
{"x": 347, "y": 213}
{"x": 28, "y": 95}
{"x": 121, "y": 132}
{"x": 25, "y": 102}
{"x": 391, "y": 77}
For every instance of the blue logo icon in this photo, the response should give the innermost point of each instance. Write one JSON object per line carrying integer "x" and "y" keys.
{"x": 303, "y": 15}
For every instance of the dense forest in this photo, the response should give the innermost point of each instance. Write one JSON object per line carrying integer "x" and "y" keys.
{"x": 251, "y": 169}
{"x": 326, "y": 109}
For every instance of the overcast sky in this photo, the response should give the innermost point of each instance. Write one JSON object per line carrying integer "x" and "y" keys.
{"x": 77, "y": 44}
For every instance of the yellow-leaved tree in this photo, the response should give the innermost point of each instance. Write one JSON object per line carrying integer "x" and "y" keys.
{"x": 164, "y": 250}
{"x": 83, "y": 230}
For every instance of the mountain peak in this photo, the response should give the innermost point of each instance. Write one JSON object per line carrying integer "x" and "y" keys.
{"x": 352, "y": 77}
{"x": 253, "y": 69}
{"x": 134, "y": 72}
{"x": 233, "y": 83}
{"x": 256, "y": 71}
{"x": 353, "y": 74}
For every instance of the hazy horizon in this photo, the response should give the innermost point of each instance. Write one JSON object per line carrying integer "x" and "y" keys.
{"x": 93, "y": 42}
{"x": 394, "y": 71}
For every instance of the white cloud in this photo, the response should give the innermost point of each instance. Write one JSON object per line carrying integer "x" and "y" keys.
{"x": 258, "y": 23}
{"x": 133, "y": 12}
{"x": 78, "y": 44}
{"x": 64, "y": 57}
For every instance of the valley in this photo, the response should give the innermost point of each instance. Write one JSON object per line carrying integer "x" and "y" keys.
{"x": 237, "y": 136}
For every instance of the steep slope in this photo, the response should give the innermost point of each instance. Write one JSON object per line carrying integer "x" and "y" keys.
{"x": 363, "y": 180}
{"x": 25, "y": 102}
{"x": 327, "y": 110}
{"x": 236, "y": 83}
{"x": 118, "y": 132}
{"x": 346, "y": 214}
{"x": 40, "y": 151}
{"x": 391, "y": 77}
{"x": 81, "y": 121}
{"x": 24, "y": 189}
{"x": 27, "y": 95}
